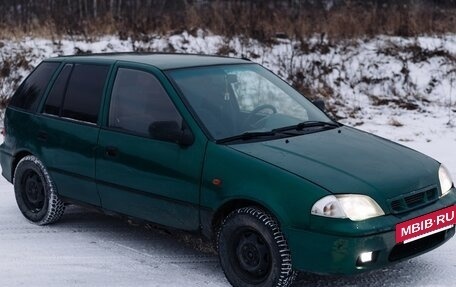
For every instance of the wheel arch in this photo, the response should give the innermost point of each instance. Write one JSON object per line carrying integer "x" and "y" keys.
{"x": 16, "y": 158}
{"x": 231, "y": 205}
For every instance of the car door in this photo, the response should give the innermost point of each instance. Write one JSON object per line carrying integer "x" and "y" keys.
{"x": 69, "y": 129}
{"x": 140, "y": 173}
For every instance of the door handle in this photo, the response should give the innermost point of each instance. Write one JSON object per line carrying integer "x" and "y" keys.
{"x": 111, "y": 151}
{"x": 42, "y": 136}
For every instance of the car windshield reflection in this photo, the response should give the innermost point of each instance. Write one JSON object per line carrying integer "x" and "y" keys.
{"x": 232, "y": 100}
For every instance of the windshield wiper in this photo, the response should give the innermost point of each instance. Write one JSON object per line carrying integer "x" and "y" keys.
{"x": 307, "y": 124}
{"x": 246, "y": 136}
{"x": 278, "y": 131}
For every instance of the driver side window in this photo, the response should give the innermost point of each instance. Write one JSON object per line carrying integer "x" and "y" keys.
{"x": 138, "y": 100}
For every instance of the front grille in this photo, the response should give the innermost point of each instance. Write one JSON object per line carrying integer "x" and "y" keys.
{"x": 396, "y": 205}
{"x": 401, "y": 251}
{"x": 413, "y": 200}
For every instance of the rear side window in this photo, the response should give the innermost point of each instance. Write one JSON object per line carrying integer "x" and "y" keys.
{"x": 55, "y": 97}
{"x": 84, "y": 92}
{"x": 31, "y": 90}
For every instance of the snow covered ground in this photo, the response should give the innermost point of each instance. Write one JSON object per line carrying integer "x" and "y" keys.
{"x": 87, "y": 248}
{"x": 401, "y": 89}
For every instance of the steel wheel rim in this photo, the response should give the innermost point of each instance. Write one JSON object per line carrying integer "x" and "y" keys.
{"x": 250, "y": 255}
{"x": 33, "y": 192}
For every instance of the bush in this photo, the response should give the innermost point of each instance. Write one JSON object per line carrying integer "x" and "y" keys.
{"x": 261, "y": 20}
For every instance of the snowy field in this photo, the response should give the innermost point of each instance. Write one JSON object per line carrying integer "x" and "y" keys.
{"x": 87, "y": 248}
{"x": 413, "y": 73}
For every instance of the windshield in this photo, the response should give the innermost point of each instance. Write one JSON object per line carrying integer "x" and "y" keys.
{"x": 230, "y": 100}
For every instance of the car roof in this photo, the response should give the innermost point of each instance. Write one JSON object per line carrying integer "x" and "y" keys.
{"x": 163, "y": 61}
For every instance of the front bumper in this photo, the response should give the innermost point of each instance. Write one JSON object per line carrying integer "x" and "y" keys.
{"x": 335, "y": 247}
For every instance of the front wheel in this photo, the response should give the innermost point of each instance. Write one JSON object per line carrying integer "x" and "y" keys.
{"x": 36, "y": 195}
{"x": 253, "y": 251}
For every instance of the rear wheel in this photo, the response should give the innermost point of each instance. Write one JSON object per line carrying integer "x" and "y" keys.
{"x": 35, "y": 192}
{"x": 253, "y": 251}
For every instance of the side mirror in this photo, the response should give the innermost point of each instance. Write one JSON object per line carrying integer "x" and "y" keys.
{"x": 319, "y": 103}
{"x": 171, "y": 131}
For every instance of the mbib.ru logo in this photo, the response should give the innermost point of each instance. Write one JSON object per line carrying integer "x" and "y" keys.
{"x": 426, "y": 225}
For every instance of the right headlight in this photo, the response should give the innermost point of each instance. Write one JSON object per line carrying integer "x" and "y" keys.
{"x": 354, "y": 206}
{"x": 445, "y": 180}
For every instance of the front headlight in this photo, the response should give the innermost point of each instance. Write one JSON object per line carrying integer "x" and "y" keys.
{"x": 445, "y": 180}
{"x": 354, "y": 206}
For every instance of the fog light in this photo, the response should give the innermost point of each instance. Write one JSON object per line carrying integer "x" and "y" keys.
{"x": 365, "y": 257}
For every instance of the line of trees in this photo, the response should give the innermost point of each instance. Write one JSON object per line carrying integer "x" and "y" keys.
{"x": 259, "y": 19}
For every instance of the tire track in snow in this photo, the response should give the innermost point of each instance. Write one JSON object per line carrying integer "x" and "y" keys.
{"x": 168, "y": 259}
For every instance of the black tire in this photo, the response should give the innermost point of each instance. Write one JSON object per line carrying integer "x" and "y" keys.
{"x": 253, "y": 251}
{"x": 36, "y": 195}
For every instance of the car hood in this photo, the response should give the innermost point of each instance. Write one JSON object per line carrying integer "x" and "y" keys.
{"x": 346, "y": 160}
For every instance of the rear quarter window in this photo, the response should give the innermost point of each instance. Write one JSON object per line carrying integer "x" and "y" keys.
{"x": 29, "y": 93}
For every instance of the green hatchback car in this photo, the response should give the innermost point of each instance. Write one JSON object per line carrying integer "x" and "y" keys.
{"x": 224, "y": 147}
